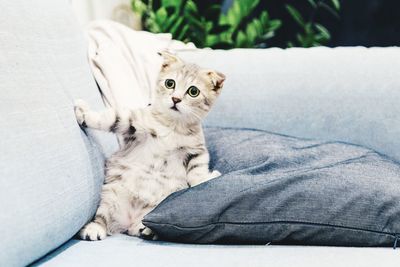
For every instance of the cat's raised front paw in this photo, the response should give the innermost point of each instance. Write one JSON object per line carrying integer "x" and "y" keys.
{"x": 92, "y": 232}
{"x": 81, "y": 108}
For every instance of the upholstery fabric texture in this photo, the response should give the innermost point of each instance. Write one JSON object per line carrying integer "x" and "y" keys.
{"x": 123, "y": 250}
{"x": 349, "y": 94}
{"x": 50, "y": 170}
{"x": 285, "y": 190}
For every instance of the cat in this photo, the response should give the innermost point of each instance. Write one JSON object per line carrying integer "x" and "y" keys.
{"x": 163, "y": 148}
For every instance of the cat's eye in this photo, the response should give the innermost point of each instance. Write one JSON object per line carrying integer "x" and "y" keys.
{"x": 169, "y": 83}
{"x": 193, "y": 91}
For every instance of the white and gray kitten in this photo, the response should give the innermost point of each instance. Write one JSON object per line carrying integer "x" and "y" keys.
{"x": 163, "y": 148}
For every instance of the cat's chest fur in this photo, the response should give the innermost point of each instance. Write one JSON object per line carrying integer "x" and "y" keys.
{"x": 156, "y": 158}
{"x": 156, "y": 145}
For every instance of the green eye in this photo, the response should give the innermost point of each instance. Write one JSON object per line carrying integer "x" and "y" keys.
{"x": 193, "y": 91}
{"x": 169, "y": 83}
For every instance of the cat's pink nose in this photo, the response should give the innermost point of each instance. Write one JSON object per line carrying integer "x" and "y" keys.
{"x": 176, "y": 100}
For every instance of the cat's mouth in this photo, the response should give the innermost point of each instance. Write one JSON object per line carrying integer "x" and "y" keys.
{"x": 174, "y": 108}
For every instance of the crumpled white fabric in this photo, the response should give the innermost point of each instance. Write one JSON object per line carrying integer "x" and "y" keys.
{"x": 125, "y": 62}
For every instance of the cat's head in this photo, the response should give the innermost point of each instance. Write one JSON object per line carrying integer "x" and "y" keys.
{"x": 185, "y": 91}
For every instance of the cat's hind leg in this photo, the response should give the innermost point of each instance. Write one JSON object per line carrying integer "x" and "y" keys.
{"x": 103, "y": 222}
{"x": 139, "y": 210}
{"x": 95, "y": 230}
{"x": 148, "y": 234}
{"x": 98, "y": 229}
{"x": 138, "y": 229}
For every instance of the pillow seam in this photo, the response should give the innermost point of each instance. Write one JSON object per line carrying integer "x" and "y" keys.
{"x": 273, "y": 222}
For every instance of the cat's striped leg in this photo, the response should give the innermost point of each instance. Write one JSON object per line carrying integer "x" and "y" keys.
{"x": 108, "y": 120}
{"x": 101, "y": 225}
{"x": 95, "y": 230}
{"x": 197, "y": 169}
{"x": 137, "y": 228}
{"x": 148, "y": 234}
{"x": 201, "y": 175}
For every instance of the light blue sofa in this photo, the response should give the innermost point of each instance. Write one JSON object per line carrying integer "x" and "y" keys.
{"x": 51, "y": 171}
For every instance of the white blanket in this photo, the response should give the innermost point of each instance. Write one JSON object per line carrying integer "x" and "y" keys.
{"x": 125, "y": 62}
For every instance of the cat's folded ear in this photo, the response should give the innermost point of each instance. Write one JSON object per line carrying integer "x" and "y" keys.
{"x": 217, "y": 79}
{"x": 169, "y": 59}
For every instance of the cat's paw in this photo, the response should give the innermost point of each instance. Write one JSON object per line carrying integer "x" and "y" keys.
{"x": 81, "y": 108}
{"x": 202, "y": 179}
{"x": 148, "y": 234}
{"x": 142, "y": 231}
{"x": 215, "y": 174}
{"x": 93, "y": 231}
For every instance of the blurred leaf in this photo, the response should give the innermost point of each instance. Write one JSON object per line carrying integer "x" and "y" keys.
{"x": 295, "y": 14}
{"x": 170, "y": 21}
{"x": 238, "y": 27}
{"x": 329, "y": 9}
{"x": 183, "y": 32}
{"x": 161, "y": 16}
{"x": 258, "y": 27}
{"x": 211, "y": 40}
{"x": 191, "y": 6}
{"x": 209, "y": 26}
{"x": 275, "y": 24}
{"x": 308, "y": 28}
{"x": 175, "y": 26}
{"x": 240, "y": 39}
{"x": 315, "y": 43}
{"x": 251, "y": 33}
{"x": 320, "y": 39}
{"x": 171, "y": 3}
{"x": 138, "y": 7}
{"x": 301, "y": 39}
{"x": 336, "y": 4}
{"x": 238, "y": 11}
{"x": 312, "y": 3}
{"x": 264, "y": 17}
{"x": 268, "y": 35}
{"x": 323, "y": 31}
{"x": 195, "y": 22}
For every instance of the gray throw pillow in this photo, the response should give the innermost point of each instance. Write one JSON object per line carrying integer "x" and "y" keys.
{"x": 285, "y": 190}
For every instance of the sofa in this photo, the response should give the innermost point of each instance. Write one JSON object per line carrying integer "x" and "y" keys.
{"x": 51, "y": 171}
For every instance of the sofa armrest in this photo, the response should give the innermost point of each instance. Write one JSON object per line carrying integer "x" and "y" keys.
{"x": 345, "y": 94}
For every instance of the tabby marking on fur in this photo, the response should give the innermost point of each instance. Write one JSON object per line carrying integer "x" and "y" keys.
{"x": 163, "y": 148}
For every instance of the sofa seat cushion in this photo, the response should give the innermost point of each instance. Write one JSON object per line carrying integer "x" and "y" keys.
{"x": 122, "y": 250}
{"x": 285, "y": 190}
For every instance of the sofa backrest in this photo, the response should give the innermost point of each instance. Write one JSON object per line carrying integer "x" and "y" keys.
{"x": 50, "y": 171}
{"x": 343, "y": 94}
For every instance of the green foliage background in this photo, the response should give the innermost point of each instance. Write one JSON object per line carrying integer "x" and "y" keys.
{"x": 237, "y": 27}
